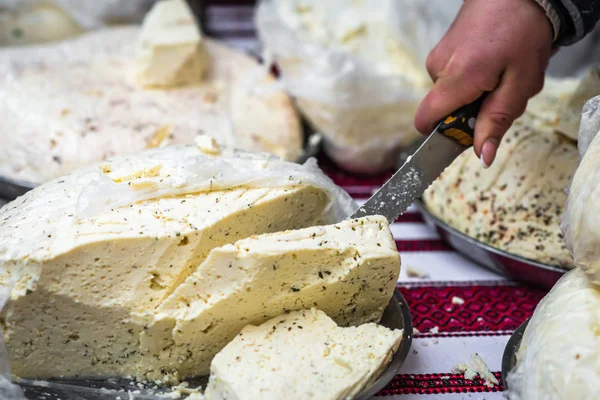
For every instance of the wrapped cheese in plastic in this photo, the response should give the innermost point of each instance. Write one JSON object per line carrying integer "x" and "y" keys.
{"x": 356, "y": 69}
{"x": 559, "y": 355}
{"x": 25, "y": 22}
{"x": 581, "y": 222}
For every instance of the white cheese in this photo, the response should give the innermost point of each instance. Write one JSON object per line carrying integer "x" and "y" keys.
{"x": 83, "y": 285}
{"x": 301, "y": 355}
{"x": 348, "y": 270}
{"x": 559, "y": 355}
{"x": 515, "y": 205}
{"x": 73, "y": 103}
{"x": 582, "y": 216}
{"x": 170, "y": 49}
{"x": 356, "y": 69}
{"x": 36, "y": 23}
{"x": 559, "y": 104}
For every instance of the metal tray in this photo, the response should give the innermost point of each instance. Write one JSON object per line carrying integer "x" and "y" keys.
{"x": 395, "y": 316}
{"x": 10, "y": 189}
{"x": 509, "y": 358}
{"x": 510, "y": 265}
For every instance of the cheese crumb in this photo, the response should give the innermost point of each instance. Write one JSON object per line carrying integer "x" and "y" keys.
{"x": 477, "y": 367}
{"x": 414, "y": 272}
{"x": 207, "y": 145}
{"x": 435, "y": 330}
{"x": 458, "y": 301}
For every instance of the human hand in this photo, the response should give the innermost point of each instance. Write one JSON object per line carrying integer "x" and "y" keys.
{"x": 501, "y": 47}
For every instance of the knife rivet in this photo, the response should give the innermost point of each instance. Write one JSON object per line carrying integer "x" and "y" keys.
{"x": 471, "y": 123}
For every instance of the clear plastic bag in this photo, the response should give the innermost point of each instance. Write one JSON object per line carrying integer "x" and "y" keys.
{"x": 559, "y": 354}
{"x": 581, "y": 221}
{"x": 361, "y": 93}
{"x": 25, "y": 22}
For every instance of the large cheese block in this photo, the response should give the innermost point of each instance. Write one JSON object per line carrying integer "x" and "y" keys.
{"x": 347, "y": 270}
{"x": 85, "y": 262}
{"x": 170, "y": 51}
{"x": 66, "y": 105}
{"x": 301, "y": 355}
{"x": 559, "y": 356}
{"x": 515, "y": 205}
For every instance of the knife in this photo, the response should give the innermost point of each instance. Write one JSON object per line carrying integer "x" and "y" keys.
{"x": 449, "y": 139}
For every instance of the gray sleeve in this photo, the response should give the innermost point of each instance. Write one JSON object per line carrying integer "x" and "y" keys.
{"x": 572, "y": 20}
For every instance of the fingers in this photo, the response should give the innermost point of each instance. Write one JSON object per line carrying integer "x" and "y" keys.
{"x": 461, "y": 81}
{"x": 500, "y": 109}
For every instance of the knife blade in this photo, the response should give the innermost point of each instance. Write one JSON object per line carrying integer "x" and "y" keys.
{"x": 448, "y": 140}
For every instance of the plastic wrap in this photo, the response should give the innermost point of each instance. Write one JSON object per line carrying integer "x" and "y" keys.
{"x": 559, "y": 356}
{"x": 161, "y": 174}
{"x": 25, "y": 22}
{"x": 168, "y": 171}
{"x": 581, "y": 221}
{"x": 356, "y": 69}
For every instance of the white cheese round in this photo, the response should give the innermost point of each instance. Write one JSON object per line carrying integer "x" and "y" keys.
{"x": 559, "y": 357}
{"x": 69, "y": 104}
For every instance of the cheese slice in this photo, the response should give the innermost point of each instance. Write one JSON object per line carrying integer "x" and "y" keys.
{"x": 170, "y": 50}
{"x": 348, "y": 270}
{"x": 301, "y": 355}
{"x": 81, "y": 276}
{"x": 559, "y": 355}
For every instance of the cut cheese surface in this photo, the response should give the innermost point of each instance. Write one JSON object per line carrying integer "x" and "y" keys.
{"x": 515, "y": 205}
{"x": 73, "y": 103}
{"x": 301, "y": 355}
{"x": 559, "y": 356}
{"x": 88, "y": 284}
{"x": 170, "y": 50}
{"x": 348, "y": 270}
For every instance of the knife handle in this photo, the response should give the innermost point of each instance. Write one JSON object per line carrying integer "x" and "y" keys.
{"x": 460, "y": 125}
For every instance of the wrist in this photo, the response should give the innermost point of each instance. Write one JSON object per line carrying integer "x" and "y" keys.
{"x": 557, "y": 24}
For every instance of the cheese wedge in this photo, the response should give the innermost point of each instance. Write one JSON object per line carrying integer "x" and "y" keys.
{"x": 80, "y": 277}
{"x": 348, "y": 270}
{"x": 301, "y": 355}
{"x": 559, "y": 355}
{"x": 170, "y": 49}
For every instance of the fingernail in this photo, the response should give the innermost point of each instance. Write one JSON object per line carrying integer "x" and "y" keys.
{"x": 488, "y": 152}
